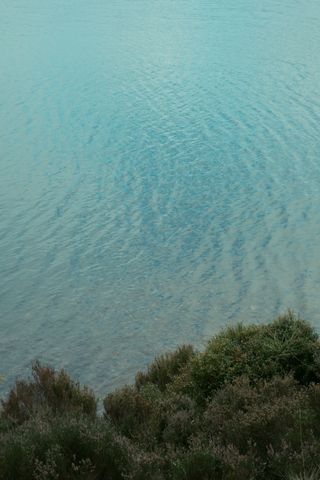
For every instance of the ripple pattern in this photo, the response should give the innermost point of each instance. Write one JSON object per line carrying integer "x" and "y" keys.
{"x": 159, "y": 176}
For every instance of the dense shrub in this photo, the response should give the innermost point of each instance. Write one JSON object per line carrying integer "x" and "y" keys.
{"x": 288, "y": 345}
{"x": 313, "y": 475}
{"x": 152, "y": 417}
{"x": 49, "y": 390}
{"x": 247, "y": 408}
{"x": 196, "y": 463}
{"x": 262, "y": 421}
{"x": 128, "y": 409}
{"x": 63, "y": 447}
{"x": 165, "y": 368}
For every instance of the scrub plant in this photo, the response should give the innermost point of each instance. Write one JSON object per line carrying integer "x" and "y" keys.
{"x": 49, "y": 390}
{"x": 246, "y": 408}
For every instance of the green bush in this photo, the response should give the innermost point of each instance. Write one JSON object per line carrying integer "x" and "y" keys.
{"x": 313, "y": 475}
{"x": 49, "y": 390}
{"x": 196, "y": 464}
{"x": 152, "y": 417}
{"x": 63, "y": 447}
{"x": 288, "y": 345}
{"x": 247, "y": 408}
{"x": 178, "y": 420}
{"x": 262, "y": 421}
{"x": 165, "y": 368}
{"x": 128, "y": 410}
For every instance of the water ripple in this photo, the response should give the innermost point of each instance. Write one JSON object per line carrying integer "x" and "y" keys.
{"x": 159, "y": 176}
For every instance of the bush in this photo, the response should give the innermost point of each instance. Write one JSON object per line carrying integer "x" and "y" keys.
{"x": 178, "y": 420}
{"x": 260, "y": 414}
{"x": 313, "y": 475}
{"x": 152, "y": 417}
{"x": 288, "y": 345}
{"x": 247, "y": 408}
{"x": 50, "y": 390}
{"x": 165, "y": 368}
{"x": 63, "y": 447}
{"x": 128, "y": 410}
{"x": 196, "y": 464}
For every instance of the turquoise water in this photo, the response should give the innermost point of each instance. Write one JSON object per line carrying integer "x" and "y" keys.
{"x": 159, "y": 176}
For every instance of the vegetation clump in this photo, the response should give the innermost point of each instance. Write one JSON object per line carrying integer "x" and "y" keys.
{"x": 286, "y": 346}
{"x": 246, "y": 408}
{"x": 50, "y": 390}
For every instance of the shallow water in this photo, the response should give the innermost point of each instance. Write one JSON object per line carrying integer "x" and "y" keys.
{"x": 159, "y": 176}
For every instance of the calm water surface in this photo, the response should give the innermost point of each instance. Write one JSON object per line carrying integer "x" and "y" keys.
{"x": 159, "y": 176}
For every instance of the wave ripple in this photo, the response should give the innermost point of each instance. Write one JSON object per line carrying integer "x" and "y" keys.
{"x": 159, "y": 176}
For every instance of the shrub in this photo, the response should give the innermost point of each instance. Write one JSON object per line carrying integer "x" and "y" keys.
{"x": 127, "y": 409}
{"x": 195, "y": 465}
{"x": 263, "y": 414}
{"x": 165, "y": 368}
{"x": 247, "y": 408}
{"x": 270, "y": 421}
{"x": 152, "y": 417}
{"x": 49, "y": 390}
{"x": 313, "y": 475}
{"x": 179, "y": 421}
{"x": 288, "y": 345}
{"x": 63, "y": 447}
{"x": 291, "y": 345}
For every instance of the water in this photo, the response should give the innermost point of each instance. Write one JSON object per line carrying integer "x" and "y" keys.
{"x": 160, "y": 176}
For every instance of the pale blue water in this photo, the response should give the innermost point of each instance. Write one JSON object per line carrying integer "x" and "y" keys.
{"x": 160, "y": 176}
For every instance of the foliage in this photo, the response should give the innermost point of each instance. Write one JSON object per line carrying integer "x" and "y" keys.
{"x": 128, "y": 409}
{"x": 62, "y": 447}
{"x": 247, "y": 408}
{"x": 314, "y": 475}
{"x": 49, "y": 390}
{"x": 288, "y": 345}
{"x": 165, "y": 368}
